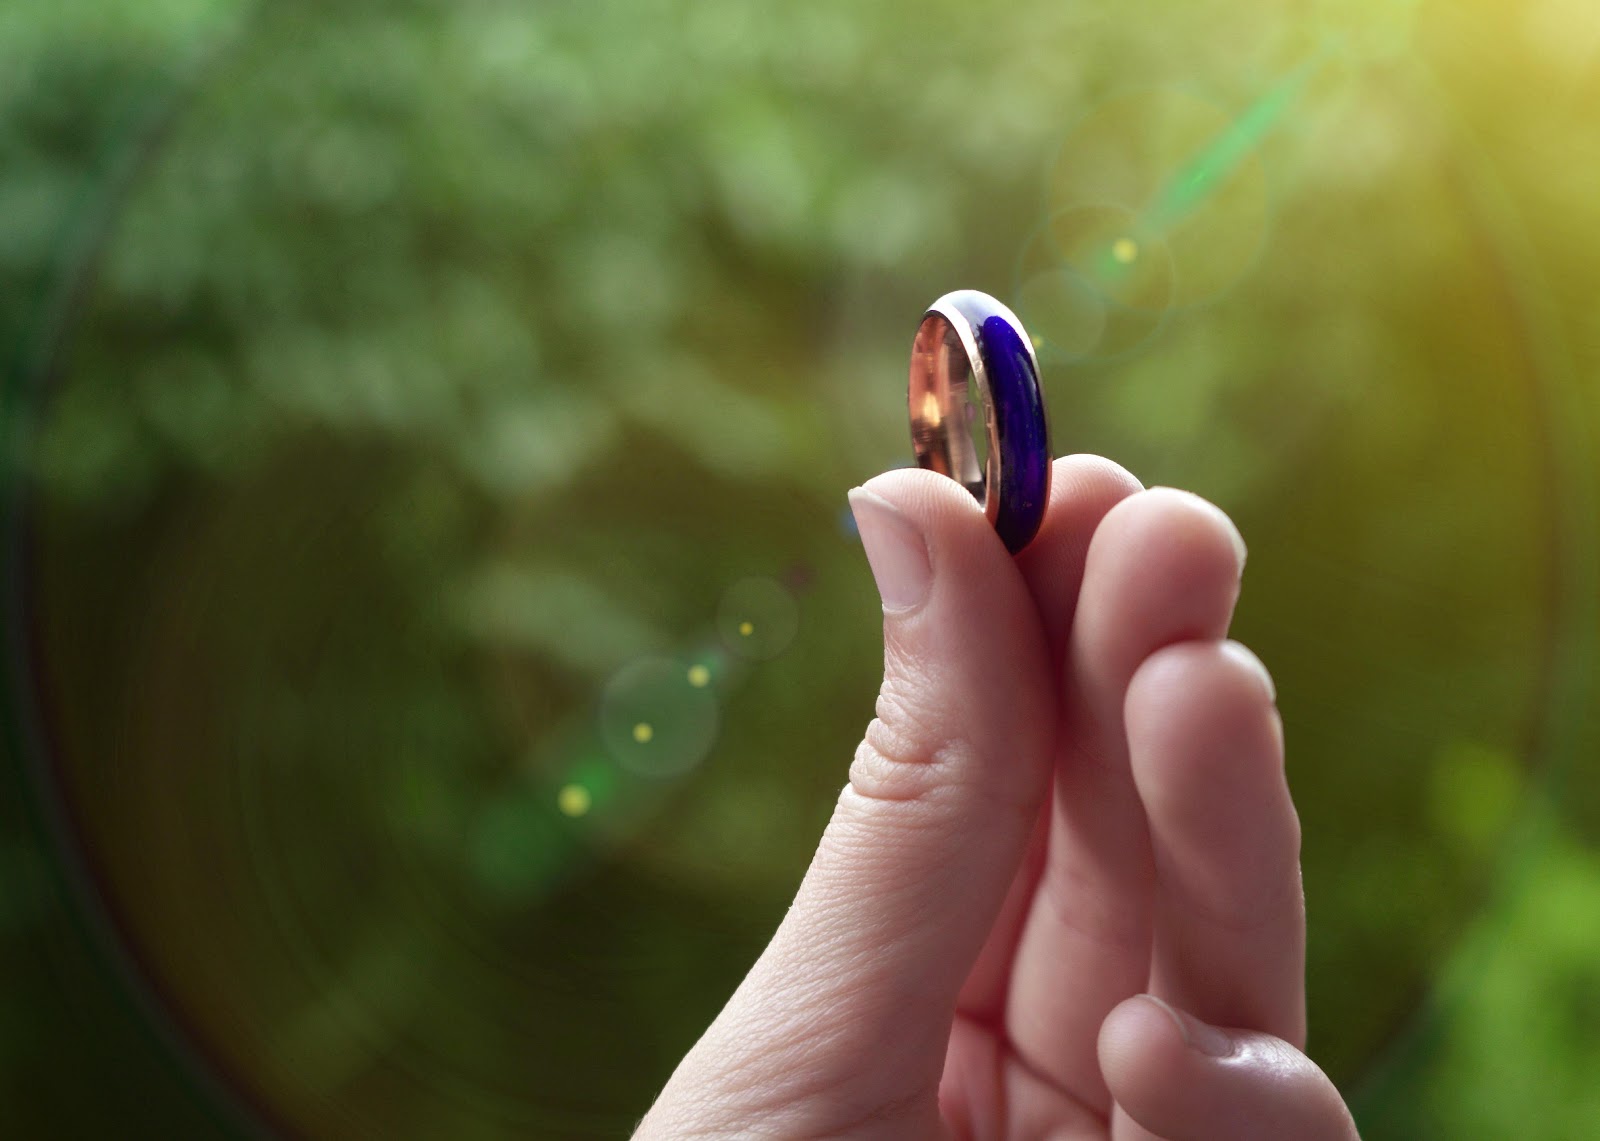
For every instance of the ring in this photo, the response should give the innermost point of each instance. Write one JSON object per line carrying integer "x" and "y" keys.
{"x": 972, "y": 358}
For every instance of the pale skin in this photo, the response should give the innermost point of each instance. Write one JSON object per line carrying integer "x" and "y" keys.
{"x": 1060, "y": 896}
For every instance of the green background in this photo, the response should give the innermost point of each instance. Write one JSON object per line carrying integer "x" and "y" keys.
{"x": 401, "y": 398}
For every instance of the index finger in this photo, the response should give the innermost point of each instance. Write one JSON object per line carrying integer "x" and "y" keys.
{"x": 1082, "y": 489}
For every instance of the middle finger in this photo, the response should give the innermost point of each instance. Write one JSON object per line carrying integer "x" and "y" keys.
{"x": 1163, "y": 567}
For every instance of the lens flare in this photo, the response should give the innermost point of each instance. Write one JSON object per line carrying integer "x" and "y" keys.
{"x": 574, "y": 800}
{"x": 1183, "y": 173}
{"x": 758, "y": 618}
{"x": 654, "y": 720}
{"x": 1078, "y": 304}
{"x": 1096, "y": 243}
{"x": 515, "y": 846}
{"x": 1062, "y": 311}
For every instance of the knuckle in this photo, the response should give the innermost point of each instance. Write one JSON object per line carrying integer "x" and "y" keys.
{"x": 908, "y": 753}
{"x": 1261, "y": 907}
{"x": 925, "y": 747}
{"x": 1081, "y": 908}
{"x": 896, "y": 765}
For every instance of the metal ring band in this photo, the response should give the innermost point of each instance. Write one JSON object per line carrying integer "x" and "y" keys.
{"x": 968, "y": 339}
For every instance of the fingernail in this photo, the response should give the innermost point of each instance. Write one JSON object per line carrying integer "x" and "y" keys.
{"x": 1197, "y": 1035}
{"x": 895, "y": 550}
{"x": 1245, "y": 654}
{"x": 1238, "y": 542}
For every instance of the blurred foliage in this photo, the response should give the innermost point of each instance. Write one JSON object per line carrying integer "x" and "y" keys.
{"x": 1512, "y": 1052}
{"x": 417, "y": 401}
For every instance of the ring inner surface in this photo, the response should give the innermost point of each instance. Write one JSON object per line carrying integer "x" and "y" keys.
{"x": 949, "y": 419}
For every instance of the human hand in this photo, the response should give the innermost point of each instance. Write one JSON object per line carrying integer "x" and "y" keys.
{"x": 1066, "y": 840}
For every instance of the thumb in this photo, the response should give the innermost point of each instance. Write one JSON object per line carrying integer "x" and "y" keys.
{"x": 1185, "y": 1080}
{"x": 848, "y": 1012}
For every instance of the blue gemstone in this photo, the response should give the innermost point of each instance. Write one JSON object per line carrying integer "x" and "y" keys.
{"x": 1020, "y": 428}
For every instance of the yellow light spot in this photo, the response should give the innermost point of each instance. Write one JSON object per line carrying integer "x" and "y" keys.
{"x": 642, "y": 732}
{"x": 573, "y": 800}
{"x": 1124, "y": 250}
{"x": 746, "y": 628}
{"x": 1038, "y": 341}
{"x": 699, "y": 676}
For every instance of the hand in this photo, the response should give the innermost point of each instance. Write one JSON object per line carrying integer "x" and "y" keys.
{"x": 1066, "y": 841}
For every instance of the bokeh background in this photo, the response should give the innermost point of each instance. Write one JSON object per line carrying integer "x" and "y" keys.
{"x": 434, "y": 632}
